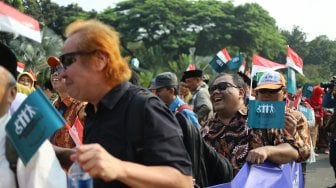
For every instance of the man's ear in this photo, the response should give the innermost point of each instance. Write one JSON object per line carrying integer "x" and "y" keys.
{"x": 103, "y": 60}
{"x": 12, "y": 94}
{"x": 242, "y": 92}
{"x": 284, "y": 93}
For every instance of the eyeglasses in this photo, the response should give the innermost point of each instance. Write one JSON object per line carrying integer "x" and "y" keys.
{"x": 271, "y": 91}
{"x": 68, "y": 58}
{"x": 58, "y": 69}
{"x": 23, "y": 80}
{"x": 221, "y": 86}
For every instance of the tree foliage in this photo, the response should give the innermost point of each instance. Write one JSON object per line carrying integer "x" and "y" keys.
{"x": 160, "y": 33}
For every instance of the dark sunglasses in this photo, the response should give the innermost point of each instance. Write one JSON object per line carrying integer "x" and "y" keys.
{"x": 271, "y": 91}
{"x": 58, "y": 69}
{"x": 221, "y": 86}
{"x": 69, "y": 58}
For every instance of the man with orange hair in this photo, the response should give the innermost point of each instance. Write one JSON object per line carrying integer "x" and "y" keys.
{"x": 95, "y": 71}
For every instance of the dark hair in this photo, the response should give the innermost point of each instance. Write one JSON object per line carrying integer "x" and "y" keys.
{"x": 169, "y": 87}
{"x": 237, "y": 80}
{"x": 134, "y": 78}
{"x": 8, "y": 59}
{"x": 48, "y": 85}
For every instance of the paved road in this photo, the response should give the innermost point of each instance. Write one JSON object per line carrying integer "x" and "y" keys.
{"x": 320, "y": 174}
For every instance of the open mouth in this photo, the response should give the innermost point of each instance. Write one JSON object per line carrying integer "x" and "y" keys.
{"x": 217, "y": 99}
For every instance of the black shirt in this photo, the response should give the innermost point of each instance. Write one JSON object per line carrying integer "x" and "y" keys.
{"x": 163, "y": 143}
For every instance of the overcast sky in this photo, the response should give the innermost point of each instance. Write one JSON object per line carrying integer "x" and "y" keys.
{"x": 313, "y": 17}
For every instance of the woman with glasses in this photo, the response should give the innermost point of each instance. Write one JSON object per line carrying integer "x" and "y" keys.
{"x": 26, "y": 79}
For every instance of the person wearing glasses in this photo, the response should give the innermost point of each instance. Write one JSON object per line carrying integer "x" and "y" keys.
{"x": 95, "y": 71}
{"x": 67, "y": 106}
{"x": 26, "y": 79}
{"x": 229, "y": 134}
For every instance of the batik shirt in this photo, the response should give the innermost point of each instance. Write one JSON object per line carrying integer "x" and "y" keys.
{"x": 69, "y": 108}
{"x": 235, "y": 140}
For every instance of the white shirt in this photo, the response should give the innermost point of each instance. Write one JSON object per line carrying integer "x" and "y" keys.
{"x": 6, "y": 175}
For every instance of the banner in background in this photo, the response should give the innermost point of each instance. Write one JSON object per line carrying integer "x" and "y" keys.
{"x": 294, "y": 61}
{"x": 260, "y": 64}
{"x": 13, "y": 21}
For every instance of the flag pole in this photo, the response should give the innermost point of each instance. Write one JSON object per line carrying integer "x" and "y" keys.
{"x": 206, "y": 66}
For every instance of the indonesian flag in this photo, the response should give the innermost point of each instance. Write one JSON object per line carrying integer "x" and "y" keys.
{"x": 242, "y": 67}
{"x": 223, "y": 55}
{"x": 219, "y": 62}
{"x": 13, "y": 21}
{"x": 76, "y": 131}
{"x": 260, "y": 64}
{"x": 191, "y": 67}
{"x": 20, "y": 67}
{"x": 248, "y": 73}
{"x": 294, "y": 61}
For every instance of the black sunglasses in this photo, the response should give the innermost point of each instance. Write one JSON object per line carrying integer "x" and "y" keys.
{"x": 58, "y": 69}
{"x": 221, "y": 86}
{"x": 271, "y": 91}
{"x": 68, "y": 58}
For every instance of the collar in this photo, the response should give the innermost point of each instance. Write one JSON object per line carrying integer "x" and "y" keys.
{"x": 175, "y": 104}
{"x": 202, "y": 85}
{"x": 114, "y": 95}
{"x": 242, "y": 111}
{"x": 5, "y": 118}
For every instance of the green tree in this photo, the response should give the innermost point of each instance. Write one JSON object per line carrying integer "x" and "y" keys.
{"x": 297, "y": 40}
{"x": 34, "y": 55}
{"x": 322, "y": 52}
{"x": 254, "y": 31}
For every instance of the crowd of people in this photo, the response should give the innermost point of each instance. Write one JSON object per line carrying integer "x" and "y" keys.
{"x": 91, "y": 82}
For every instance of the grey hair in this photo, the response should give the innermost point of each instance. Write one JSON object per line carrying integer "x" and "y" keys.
{"x": 11, "y": 81}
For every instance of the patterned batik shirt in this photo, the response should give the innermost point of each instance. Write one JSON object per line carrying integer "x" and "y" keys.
{"x": 235, "y": 140}
{"x": 69, "y": 108}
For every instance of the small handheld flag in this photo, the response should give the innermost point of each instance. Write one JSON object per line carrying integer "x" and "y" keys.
{"x": 266, "y": 114}
{"x": 34, "y": 121}
{"x": 218, "y": 63}
{"x": 235, "y": 62}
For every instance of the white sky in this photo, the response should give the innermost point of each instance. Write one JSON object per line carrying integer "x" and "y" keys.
{"x": 313, "y": 17}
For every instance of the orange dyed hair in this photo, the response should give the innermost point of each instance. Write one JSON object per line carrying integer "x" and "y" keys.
{"x": 98, "y": 36}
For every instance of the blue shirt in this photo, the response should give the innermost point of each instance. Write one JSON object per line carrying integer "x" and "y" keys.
{"x": 190, "y": 115}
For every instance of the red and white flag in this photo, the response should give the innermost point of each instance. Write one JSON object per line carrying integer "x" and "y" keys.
{"x": 20, "y": 67}
{"x": 248, "y": 73}
{"x": 76, "y": 131}
{"x": 191, "y": 67}
{"x": 242, "y": 67}
{"x": 294, "y": 61}
{"x": 260, "y": 64}
{"x": 13, "y": 21}
{"x": 223, "y": 55}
